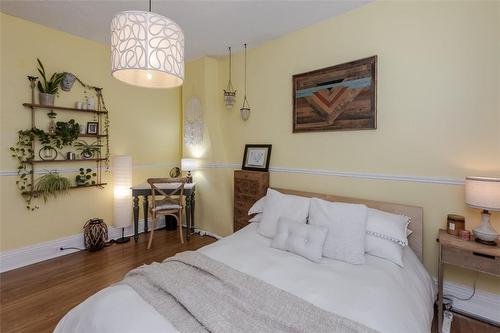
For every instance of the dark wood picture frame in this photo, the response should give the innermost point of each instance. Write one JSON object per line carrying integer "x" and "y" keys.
{"x": 90, "y": 124}
{"x": 337, "y": 98}
{"x": 265, "y": 165}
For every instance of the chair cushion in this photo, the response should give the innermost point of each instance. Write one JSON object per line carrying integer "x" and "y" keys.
{"x": 166, "y": 207}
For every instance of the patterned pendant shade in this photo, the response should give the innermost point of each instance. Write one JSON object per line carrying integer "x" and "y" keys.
{"x": 147, "y": 50}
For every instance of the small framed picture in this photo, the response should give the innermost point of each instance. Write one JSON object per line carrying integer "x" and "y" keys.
{"x": 92, "y": 127}
{"x": 256, "y": 157}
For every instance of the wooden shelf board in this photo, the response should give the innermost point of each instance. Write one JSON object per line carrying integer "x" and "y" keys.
{"x": 72, "y": 187}
{"x": 61, "y": 108}
{"x": 92, "y": 135}
{"x": 76, "y": 160}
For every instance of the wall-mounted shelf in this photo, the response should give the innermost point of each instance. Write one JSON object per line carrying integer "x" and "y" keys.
{"x": 71, "y": 188}
{"x": 92, "y": 136}
{"x": 60, "y": 108}
{"x": 75, "y": 160}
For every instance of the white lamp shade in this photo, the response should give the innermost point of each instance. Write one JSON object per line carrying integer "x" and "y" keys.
{"x": 147, "y": 50}
{"x": 483, "y": 193}
{"x": 122, "y": 180}
{"x": 189, "y": 164}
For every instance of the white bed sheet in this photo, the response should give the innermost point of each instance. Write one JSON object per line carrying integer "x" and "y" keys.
{"x": 379, "y": 294}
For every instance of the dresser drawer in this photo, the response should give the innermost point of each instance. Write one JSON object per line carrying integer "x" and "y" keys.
{"x": 249, "y": 186}
{"x": 471, "y": 260}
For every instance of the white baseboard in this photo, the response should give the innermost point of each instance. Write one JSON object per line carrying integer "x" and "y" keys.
{"x": 484, "y": 305}
{"x": 32, "y": 254}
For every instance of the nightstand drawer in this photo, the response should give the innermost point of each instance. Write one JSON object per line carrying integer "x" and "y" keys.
{"x": 471, "y": 260}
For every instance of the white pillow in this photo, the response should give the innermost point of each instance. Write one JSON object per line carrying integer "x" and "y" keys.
{"x": 256, "y": 219}
{"x": 384, "y": 249}
{"x": 346, "y": 225}
{"x": 303, "y": 239}
{"x": 258, "y": 206}
{"x": 391, "y": 227}
{"x": 279, "y": 205}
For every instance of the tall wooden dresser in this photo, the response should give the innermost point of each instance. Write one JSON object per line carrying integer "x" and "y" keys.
{"x": 249, "y": 186}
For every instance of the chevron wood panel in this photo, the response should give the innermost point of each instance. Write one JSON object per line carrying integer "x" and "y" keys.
{"x": 341, "y": 97}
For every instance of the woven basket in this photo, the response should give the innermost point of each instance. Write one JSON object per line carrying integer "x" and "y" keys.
{"x": 95, "y": 234}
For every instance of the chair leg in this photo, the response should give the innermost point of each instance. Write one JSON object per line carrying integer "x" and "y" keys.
{"x": 179, "y": 222}
{"x": 153, "y": 227}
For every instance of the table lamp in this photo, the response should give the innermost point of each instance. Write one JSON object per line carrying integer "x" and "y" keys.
{"x": 189, "y": 164}
{"x": 483, "y": 193}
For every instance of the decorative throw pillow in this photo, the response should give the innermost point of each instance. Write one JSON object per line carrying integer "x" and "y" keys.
{"x": 303, "y": 239}
{"x": 256, "y": 219}
{"x": 258, "y": 206}
{"x": 279, "y": 205}
{"x": 384, "y": 249}
{"x": 391, "y": 227}
{"x": 346, "y": 225}
{"x": 386, "y": 235}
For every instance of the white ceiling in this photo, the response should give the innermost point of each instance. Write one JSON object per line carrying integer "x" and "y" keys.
{"x": 209, "y": 26}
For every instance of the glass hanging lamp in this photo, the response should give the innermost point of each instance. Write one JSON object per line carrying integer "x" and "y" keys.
{"x": 147, "y": 49}
{"x": 245, "y": 108}
{"x": 229, "y": 92}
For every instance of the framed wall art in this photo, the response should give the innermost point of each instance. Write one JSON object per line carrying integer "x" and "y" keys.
{"x": 256, "y": 157}
{"x": 341, "y": 97}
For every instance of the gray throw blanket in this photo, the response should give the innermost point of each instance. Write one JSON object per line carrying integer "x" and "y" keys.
{"x": 198, "y": 294}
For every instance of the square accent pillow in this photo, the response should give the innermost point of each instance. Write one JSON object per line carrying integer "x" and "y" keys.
{"x": 386, "y": 235}
{"x": 384, "y": 249}
{"x": 279, "y": 205}
{"x": 346, "y": 225}
{"x": 303, "y": 239}
{"x": 391, "y": 227}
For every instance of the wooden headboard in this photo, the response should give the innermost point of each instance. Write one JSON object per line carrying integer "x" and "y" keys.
{"x": 413, "y": 212}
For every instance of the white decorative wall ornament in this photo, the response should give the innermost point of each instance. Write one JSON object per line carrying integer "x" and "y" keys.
{"x": 193, "y": 122}
{"x": 147, "y": 50}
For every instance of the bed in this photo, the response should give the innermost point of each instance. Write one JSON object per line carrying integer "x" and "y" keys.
{"x": 379, "y": 294}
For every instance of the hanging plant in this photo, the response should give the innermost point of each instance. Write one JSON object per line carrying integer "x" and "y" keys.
{"x": 23, "y": 153}
{"x": 52, "y": 184}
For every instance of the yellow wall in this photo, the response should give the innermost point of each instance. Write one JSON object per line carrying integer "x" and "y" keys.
{"x": 438, "y": 112}
{"x": 145, "y": 123}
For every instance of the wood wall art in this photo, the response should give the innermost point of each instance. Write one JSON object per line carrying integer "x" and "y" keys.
{"x": 341, "y": 97}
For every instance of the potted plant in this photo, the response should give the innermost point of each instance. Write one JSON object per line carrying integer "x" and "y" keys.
{"x": 49, "y": 88}
{"x": 51, "y": 184}
{"x": 87, "y": 150}
{"x": 86, "y": 177}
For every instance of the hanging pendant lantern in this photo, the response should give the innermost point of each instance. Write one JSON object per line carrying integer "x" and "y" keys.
{"x": 245, "y": 108}
{"x": 147, "y": 49}
{"x": 229, "y": 92}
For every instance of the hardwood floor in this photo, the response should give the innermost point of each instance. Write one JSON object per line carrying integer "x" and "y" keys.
{"x": 34, "y": 298}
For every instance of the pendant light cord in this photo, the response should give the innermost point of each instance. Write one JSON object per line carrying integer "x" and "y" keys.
{"x": 245, "y": 70}
{"x": 230, "y": 65}
{"x": 150, "y": 6}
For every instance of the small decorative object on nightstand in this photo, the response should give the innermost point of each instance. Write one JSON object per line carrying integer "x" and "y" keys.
{"x": 455, "y": 224}
{"x": 189, "y": 164}
{"x": 466, "y": 254}
{"x": 484, "y": 193}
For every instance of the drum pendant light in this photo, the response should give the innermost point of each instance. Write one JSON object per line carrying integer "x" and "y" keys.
{"x": 147, "y": 49}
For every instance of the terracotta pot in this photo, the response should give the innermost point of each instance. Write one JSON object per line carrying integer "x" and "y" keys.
{"x": 46, "y": 99}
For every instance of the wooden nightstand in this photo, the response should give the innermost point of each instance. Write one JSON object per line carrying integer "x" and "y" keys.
{"x": 465, "y": 254}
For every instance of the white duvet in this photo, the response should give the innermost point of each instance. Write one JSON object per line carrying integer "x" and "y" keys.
{"x": 379, "y": 294}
